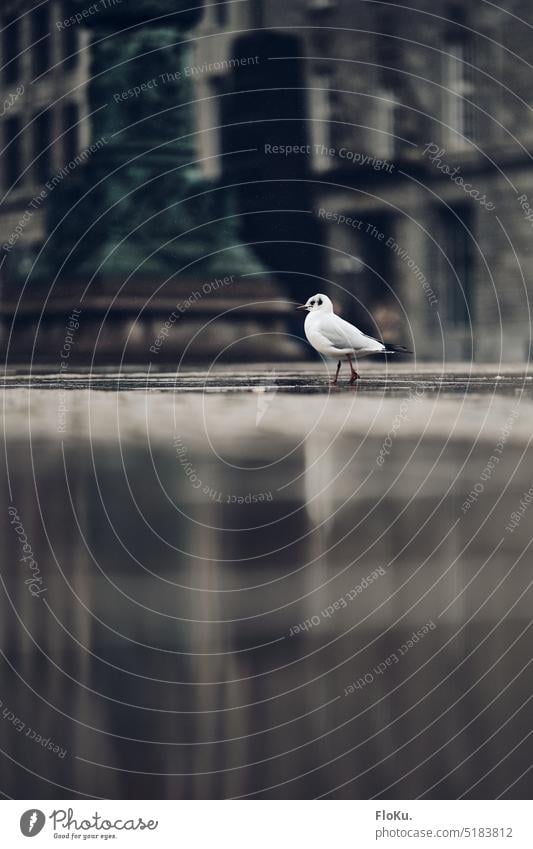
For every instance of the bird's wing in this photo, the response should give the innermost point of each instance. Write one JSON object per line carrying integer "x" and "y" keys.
{"x": 342, "y": 334}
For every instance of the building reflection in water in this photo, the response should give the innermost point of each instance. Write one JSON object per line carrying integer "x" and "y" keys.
{"x": 181, "y": 542}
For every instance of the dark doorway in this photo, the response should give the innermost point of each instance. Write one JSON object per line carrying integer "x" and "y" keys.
{"x": 264, "y": 111}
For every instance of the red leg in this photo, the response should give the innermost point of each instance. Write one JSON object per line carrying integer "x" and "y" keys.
{"x": 354, "y": 376}
{"x": 337, "y": 374}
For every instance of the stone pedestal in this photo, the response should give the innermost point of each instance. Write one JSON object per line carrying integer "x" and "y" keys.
{"x": 133, "y": 230}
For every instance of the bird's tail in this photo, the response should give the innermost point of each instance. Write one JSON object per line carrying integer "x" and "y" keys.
{"x": 396, "y": 349}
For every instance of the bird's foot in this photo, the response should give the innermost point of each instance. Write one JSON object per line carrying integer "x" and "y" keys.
{"x": 353, "y": 378}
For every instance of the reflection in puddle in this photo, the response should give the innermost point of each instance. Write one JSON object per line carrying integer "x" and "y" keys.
{"x": 227, "y": 599}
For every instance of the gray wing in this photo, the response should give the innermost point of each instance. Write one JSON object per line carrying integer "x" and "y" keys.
{"x": 342, "y": 334}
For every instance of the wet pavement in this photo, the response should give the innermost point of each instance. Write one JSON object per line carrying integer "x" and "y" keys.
{"x": 305, "y": 378}
{"x": 253, "y": 585}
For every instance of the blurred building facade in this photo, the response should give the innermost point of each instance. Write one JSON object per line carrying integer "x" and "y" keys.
{"x": 44, "y": 123}
{"x": 379, "y": 153}
{"x": 415, "y": 156}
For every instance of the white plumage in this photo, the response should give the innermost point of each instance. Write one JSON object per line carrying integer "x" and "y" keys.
{"x": 332, "y": 336}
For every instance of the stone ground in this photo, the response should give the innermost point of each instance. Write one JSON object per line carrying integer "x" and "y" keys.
{"x": 460, "y": 402}
{"x": 300, "y": 378}
{"x": 184, "y": 524}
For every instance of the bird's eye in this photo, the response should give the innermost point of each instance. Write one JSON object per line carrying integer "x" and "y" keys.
{"x": 312, "y": 303}
{"x": 319, "y": 303}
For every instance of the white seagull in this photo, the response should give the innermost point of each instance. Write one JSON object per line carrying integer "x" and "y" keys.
{"x": 332, "y": 336}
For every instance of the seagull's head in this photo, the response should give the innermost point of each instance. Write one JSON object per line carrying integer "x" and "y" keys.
{"x": 318, "y": 303}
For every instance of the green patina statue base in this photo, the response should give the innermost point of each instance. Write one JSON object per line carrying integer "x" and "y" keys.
{"x": 134, "y": 231}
